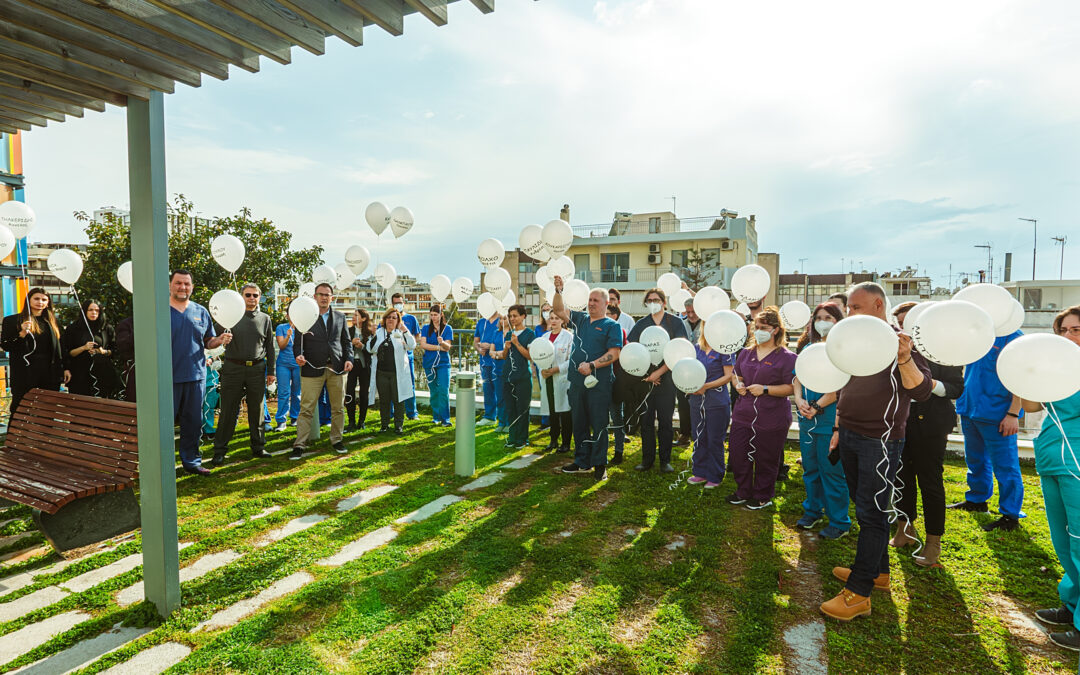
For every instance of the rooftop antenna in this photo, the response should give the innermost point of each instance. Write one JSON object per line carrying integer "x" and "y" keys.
{"x": 1061, "y": 240}
{"x": 989, "y": 259}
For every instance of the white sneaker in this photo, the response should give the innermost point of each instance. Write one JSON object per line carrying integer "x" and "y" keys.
{"x": 280, "y": 427}
{"x": 485, "y": 422}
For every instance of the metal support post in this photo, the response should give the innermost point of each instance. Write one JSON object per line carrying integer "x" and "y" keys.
{"x": 465, "y": 431}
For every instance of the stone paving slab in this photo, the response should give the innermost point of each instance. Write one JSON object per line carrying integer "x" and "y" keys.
{"x": 22, "y": 555}
{"x": 201, "y": 567}
{"x": 336, "y": 486}
{"x": 14, "y": 645}
{"x": 484, "y": 481}
{"x": 521, "y": 462}
{"x": 9, "y": 611}
{"x": 153, "y": 661}
{"x": 94, "y": 577}
{"x": 428, "y": 510}
{"x": 235, "y": 613}
{"x": 354, "y": 550}
{"x": 261, "y": 514}
{"x": 12, "y": 538}
{"x": 84, "y": 653}
{"x": 292, "y": 527}
{"x": 364, "y": 496}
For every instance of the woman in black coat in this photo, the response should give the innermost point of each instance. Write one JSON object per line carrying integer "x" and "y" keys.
{"x": 922, "y": 461}
{"x": 32, "y": 340}
{"x": 359, "y": 333}
{"x": 88, "y": 343}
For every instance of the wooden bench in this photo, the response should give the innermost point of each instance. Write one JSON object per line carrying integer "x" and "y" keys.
{"x": 73, "y": 459}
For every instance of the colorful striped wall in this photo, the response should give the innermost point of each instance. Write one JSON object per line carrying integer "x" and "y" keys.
{"x": 12, "y": 289}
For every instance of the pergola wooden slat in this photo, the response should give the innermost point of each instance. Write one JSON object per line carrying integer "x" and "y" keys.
{"x": 61, "y": 57}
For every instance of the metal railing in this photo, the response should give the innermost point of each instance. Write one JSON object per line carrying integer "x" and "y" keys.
{"x": 623, "y": 275}
{"x": 664, "y": 226}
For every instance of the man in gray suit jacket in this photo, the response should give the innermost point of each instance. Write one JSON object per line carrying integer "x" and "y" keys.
{"x": 324, "y": 356}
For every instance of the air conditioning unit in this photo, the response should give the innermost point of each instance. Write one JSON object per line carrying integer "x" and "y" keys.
{"x": 726, "y": 245}
{"x": 654, "y": 248}
{"x": 655, "y": 258}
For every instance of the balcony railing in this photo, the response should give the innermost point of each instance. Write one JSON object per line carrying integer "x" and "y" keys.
{"x": 665, "y": 226}
{"x": 622, "y": 275}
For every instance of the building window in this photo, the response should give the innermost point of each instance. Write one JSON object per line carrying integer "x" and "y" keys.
{"x": 614, "y": 267}
{"x": 900, "y": 288}
{"x": 1032, "y": 298}
{"x": 678, "y": 258}
{"x": 654, "y": 225}
{"x": 581, "y": 266}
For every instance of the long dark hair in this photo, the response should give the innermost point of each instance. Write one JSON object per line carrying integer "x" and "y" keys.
{"x": 811, "y": 335}
{"x": 436, "y": 307}
{"x": 100, "y": 321}
{"x": 47, "y": 313}
{"x": 364, "y": 325}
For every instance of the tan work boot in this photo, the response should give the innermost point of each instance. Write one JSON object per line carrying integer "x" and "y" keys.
{"x": 881, "y": 582}
{"x": 931, "y": 552}
{"x": 902, "y": 538}
{"x": 846, "y": 606}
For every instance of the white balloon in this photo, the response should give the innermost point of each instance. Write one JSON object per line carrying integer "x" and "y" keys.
{"x": 531, "y": 242}
{"x": 123, "y": 275}
{"x": 385, "y": 275}
{"x": 913, "y": 314}
{"x": 228, "y": 251}
{"x": 486, "y": 306}
{"x": 993, "y": 298}
{"x": 862, "y": 345}
{"x": 575, "y": 294}
{"x": 710, "y": 300}
{"x": 497, "y": 282}
{"x": 303, "y": 312}
{"x": 953, "y": 333}
{"x": 503, "y": 306}
{"x": 678, "y": 349}
{"x": 227, "y": 307}
{"x": 634, "y": 359}
{"x": 18, "y": 217}
{"x": 66, "y": 265}
{"x": 561, "y": 266}
{"x": 343, "y": 276}
{"x": 357, "y": 258}
{"x": 1040, "y": 367}
{"x": 401, "y": 221}
{"x": 795, "y": 314}
{"x": 725, "y": 331}
{"x": 324, "y": 274}
{"x": 655, "y": 340}
{"x": 669, "y": 282}
{"x": 463, "y": 289}
{"x": 544, "y": 280}
{"x": 307, "y": 290}
{"x": 1015, "y": 322}
{"x": 677, "y": 300}
{"x": 750, "y": 283}
{"x": 7, "y": 241}
{"x": 542, "y": 353}
{"x": 557, "y": 237}
{"x": 744, "y": 309}
{"x": 816, "y": 372}
{"x": 490, "y": 253}
{"x": 440, "y": 287}
{"x": 377, "y": 216}
{"x": 688, "y": 375}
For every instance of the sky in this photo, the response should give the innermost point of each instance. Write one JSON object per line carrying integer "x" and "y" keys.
{"x": 858, "y": 133}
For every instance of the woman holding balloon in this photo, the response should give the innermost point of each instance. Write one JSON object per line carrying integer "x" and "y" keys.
{"x": 517, "y": 380}
{"x": 88, "y": 342}
{"x": 32, "y": 340}
{"x": 554, "y": 385}
{"x": 710, "y": 412}
{"x": 762, "y": 413}
{"x": 1056, "y": 460}
{"x": 359, "y": 333}
{"x": 436, "y": 339}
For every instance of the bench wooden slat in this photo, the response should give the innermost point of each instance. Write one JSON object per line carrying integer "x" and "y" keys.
{"x": 41, "y": 408}
{"x": 36, "y": 489}
{"x": 93, "y": 435}
{"x": 93, "y": 402}
{"x": 77, "y": 443}
{"x": 57, "y": 455}
{"x": 69, "y": 477}
{"x": 20, "y": 498}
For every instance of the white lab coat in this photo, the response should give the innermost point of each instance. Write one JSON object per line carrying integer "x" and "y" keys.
{"x": 402, "y": 348}
{"x": 563, "y": 344}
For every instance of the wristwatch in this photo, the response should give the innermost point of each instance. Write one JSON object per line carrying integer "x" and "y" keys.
{"x": 592, "y": 367}
{"x": 815, "y": 406}
{"x": 765, "y": 390}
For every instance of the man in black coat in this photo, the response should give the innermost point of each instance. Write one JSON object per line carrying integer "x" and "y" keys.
{"x": 324, "y": 354}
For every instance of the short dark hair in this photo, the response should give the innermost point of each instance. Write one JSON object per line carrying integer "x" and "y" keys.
{"x": 663, "y": 295}
{"x": 182, "y": 271}
{"x": 615, "y": 292}
{"x": 328, "y": 286}
{"x": 520, "y": 309}
{"x": 842, "y": 297}
{"x": 396, "y": 295}
{"x": 1060, "y": 318}
{"x": 614, "y": 309}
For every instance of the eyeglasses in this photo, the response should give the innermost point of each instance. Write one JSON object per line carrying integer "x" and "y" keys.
{"x": 1075, "y": 330}
{"x": 322, "y": 295}
{"x": 251, "y": 295}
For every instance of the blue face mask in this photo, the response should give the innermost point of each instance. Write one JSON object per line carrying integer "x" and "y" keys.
{"x": 762, "y": 336}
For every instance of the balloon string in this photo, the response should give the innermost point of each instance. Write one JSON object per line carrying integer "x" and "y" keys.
{"x": 694, "y": 449}
{"x": 86, "y": 320}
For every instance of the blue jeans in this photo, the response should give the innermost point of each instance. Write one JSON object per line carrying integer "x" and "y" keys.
{"x": 590, "y": 409}
{"x": 492, "y": 389}
{"x": 988, "y": 454}
{"x": 410, "y": 403}
{"x": 188, "y": 410}
{"x": 826, "y": 488}
{"x": 324, "y": 407}
{"x": 439, "y": 386}
{"x": 1061, "y": 494}
{"x": 865, "y": 463}
{"x": 288, "y": 393}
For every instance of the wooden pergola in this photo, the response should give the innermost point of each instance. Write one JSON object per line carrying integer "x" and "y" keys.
{"x": 62, "y": 57}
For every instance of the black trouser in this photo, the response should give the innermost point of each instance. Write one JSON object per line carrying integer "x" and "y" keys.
{"x": 237, "y": 382}
{"x": 361, "y": 376}
{"x": 40, "y": 374}
{"x": 684, "y": 415}
{"x": 386, "y": 384}
{"x": 922, "y": 465}
{"x": 659, "y": 412}
{"x": 561, "y": 422}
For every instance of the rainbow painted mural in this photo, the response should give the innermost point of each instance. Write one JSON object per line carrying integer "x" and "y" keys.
{"x": 12, "y": 289}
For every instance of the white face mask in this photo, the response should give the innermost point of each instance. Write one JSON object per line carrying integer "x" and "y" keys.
{"x": 399, "y": 307}
{"x": 546, "y": 314}
{"x": 823, "y": 327}
{"x": 653, "y": 307}
{"x": 762, "y": 336}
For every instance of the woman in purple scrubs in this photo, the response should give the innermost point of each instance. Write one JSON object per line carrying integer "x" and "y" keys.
{"x": 762, "y": 413}
{"x": 710, "y": 411}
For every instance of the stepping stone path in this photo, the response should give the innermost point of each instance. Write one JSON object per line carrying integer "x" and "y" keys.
{"x": 368, "y": 542}
{"x": 334, "y": 487}
{"x": 807, "y": 642}
{"x": 483, "y": 481}
{"x": 85, "y": 652}
{"x": 101, "y": 574}
{"x": 234, "y": 613}
{"x": 292, "y": 527}
{"x": 153, "y": 661}
{"x": 14, "y": 645}
{"x": 677, "y": 543}
{"x": 261, "y": 514}
{"x": 428, "y": 510}
{"x": 201, "y": 567}
{"x": 9, "y": 611}
{"x": 364, "y": 496}
{"x": 521, "y": 462}
{"x": 24, "y": 579}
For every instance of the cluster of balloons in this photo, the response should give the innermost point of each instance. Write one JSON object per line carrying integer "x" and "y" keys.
{"x": 378, "y": 217}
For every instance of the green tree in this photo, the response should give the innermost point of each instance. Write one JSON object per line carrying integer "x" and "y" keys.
{"x": 457, "y": 319}
{"x": 267, "y": 259}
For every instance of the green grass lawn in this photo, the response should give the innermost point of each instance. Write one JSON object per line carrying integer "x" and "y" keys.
{"x": 548, "y": 573}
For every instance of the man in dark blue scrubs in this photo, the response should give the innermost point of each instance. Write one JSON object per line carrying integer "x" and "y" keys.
{"x": 597, "y": 342}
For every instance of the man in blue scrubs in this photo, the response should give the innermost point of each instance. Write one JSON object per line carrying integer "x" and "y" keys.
{"x": 192, "y": 332}
{"x": 990, "y": 420}
{"x": 597, "y": 342}
{"x": 488, "y": 340}
{"x": 410, "y": 323}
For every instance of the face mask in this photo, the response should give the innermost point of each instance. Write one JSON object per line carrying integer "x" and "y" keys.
{"x": 762, "y": 336}
{"x": 653, "y": 307}
{"x": 399, "y": 307}
{"x": 519, "y": 331}
{"x": 823, "y": 327}
{"x": 546, "y": 314}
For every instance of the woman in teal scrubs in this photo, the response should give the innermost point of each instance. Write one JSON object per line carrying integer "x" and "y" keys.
{"x": 1056, "y": 462}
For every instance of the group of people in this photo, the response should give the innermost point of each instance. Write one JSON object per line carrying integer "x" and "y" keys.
{"x": 876, "y": 442}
